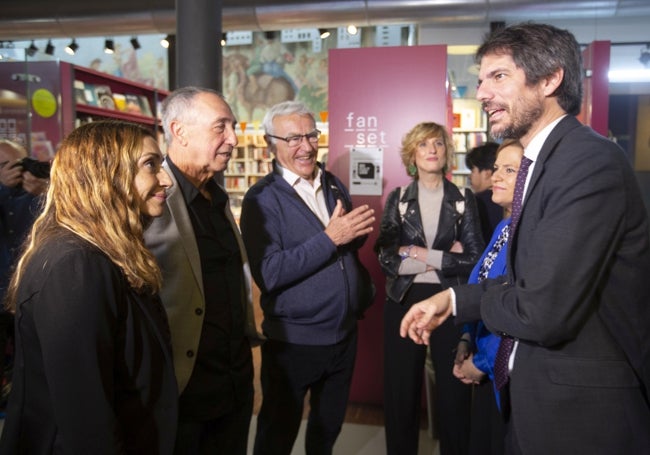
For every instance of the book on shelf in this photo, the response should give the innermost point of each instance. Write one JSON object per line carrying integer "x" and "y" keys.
{"x": 89, "y": 94}
{"x": 79, "y": 92}
{"x": 261, "y": 153}
{"x": 145, "y": 107}
{"x": 104, "y": 97}
{"x": 120, "y": 101}
{"x": 456, "y": 122}
{"x": 133, "y": 104}
{"x": 475, "y": 139}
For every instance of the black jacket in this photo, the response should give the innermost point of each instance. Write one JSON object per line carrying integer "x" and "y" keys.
{"x": 458, "y": 221}
{"x": 93, "y": 371}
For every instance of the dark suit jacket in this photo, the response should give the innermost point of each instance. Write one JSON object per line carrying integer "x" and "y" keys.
{"x": 580, "y": 302}
{"x": 93, "y": 371}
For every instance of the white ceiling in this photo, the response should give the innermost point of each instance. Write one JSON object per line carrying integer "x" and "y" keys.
{"x": 27, "y": 19}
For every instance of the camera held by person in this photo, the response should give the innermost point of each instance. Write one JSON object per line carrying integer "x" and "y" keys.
{"x": 18, "y": 171}
{"x": 39, "y": 169}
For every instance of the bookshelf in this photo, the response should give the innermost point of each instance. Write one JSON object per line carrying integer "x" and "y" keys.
{"x": 89, "y": 95}
{"x": 469, "y": 131}
{"x": 43, "y": 101}
{"x": 251, "y": 160}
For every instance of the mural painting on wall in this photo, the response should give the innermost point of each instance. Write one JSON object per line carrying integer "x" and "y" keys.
{"x": 268, "y": 72}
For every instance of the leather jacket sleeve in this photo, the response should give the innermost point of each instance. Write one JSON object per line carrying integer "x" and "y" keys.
{"x": 389, "y": 238}
{"x": 468, "y": 232}
{"x": 454, "y": 224}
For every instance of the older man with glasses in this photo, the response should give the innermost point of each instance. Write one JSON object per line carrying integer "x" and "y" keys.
{"x": 302, "y": 236}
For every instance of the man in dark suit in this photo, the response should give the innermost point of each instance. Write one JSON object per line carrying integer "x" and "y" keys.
{"x": 576, "y": 300}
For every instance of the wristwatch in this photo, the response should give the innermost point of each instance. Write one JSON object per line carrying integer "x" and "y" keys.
{"x": 406, "y": 253}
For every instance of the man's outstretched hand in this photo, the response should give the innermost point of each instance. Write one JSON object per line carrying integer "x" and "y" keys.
{"x": 425, "y": 316}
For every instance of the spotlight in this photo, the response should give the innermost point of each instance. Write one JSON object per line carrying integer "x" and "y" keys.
{"x": 32, "y": 49}
{"x": 645, "y": 56}
{"x": 135, "y": 43}
{"x": 49, "y": 49}
{"x": 223, "y": 39}
{"x": 72, "y": 47}
{"x": 324, "y": 33}
{"x": 352, "y": 29}
{"x": 109, "y": 46}
{"x": 165, "y": 41}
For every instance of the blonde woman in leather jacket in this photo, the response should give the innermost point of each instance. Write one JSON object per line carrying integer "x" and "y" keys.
{"x": 429, "y": 239}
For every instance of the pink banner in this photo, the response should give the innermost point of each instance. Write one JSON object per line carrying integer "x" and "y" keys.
{"x": 375, "y": 96}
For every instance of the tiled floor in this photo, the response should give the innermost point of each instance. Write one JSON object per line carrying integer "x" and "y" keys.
{"x": 356, "y": 439}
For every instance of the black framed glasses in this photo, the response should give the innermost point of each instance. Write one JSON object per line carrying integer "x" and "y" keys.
{"x": 295, "y": 140}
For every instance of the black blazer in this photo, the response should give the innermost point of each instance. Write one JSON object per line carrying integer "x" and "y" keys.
{"x": 93, "y": 371}
{"x": 579, "y": 303}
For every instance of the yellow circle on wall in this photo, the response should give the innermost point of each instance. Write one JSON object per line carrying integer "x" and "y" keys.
{"x": 44, "y": 103}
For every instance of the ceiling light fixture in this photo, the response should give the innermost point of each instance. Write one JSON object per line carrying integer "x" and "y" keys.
{"x": 32, "y": 49}
{"x": 645, "y": 56}
{"x": 165, "y": 42}
{"x": 324, "y": 33}
{"x": 109, "y": 46}
{"x": 71, "y": 48}
{"x": 352, "y": 29}
{"x": 49, "y": 49}
{"x": 135, "y": 43}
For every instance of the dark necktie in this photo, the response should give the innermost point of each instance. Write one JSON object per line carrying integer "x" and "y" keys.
{"x": 504, "y": 351}
{"x": 518, "y": 195}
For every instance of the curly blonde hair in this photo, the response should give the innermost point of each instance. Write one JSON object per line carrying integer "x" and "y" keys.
{"x": 421, "y": 132}
{"x": 92, "y": 194}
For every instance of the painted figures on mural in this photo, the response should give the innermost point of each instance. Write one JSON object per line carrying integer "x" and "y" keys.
{"x": 268, "y": 72}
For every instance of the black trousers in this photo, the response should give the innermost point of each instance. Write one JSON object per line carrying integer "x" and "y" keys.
{"x": 288, "y": 372}
{"x": 403, "y": 376}
{"x": 488, "y": 429}
{"x": 224, "y": 434}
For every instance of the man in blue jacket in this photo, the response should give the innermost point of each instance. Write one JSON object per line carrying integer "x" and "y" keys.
{"x": 302, "y": 236}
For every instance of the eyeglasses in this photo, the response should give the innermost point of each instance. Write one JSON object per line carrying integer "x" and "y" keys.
{"x": 294, "y": 141}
